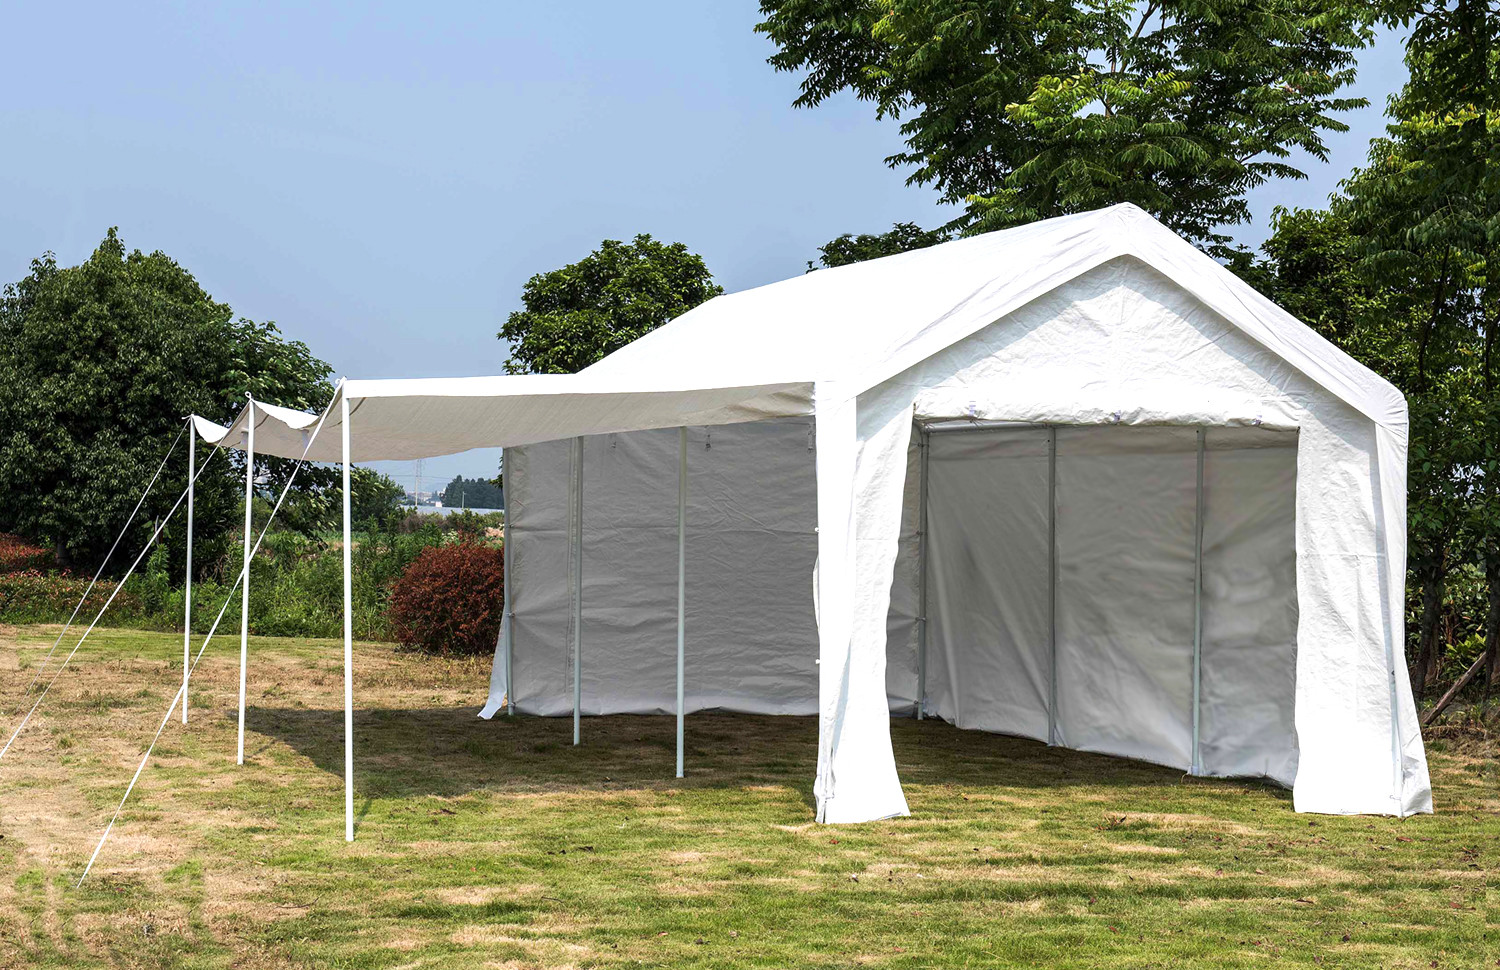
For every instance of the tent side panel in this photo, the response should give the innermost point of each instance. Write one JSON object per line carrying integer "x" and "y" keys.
{"x": 536, "y": 499}
{"x": 1126, "y": 500}
{"x": 1250, "y": 604}
{"x": 988, "y": 654}
{"x": 901, "y": 628}
{"x": 751, "y": 543}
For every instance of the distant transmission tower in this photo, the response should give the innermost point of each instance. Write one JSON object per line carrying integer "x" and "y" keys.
{"x": 416, "y": 496}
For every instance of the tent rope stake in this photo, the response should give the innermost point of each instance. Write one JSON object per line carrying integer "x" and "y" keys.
{"x": 118, "y": 586}
{"x": 104, "y": 562}
{"x": 182, "y": 691}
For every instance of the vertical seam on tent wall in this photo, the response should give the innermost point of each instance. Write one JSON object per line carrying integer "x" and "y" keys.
{"x": 509, "y": 606}
{"x": 1052, "y": 584}
{"x": 577, "y": 587}
{"x": 924, "y": 447}
{"x": 1383, "y": 552}
{"x": 1197, "y": 761}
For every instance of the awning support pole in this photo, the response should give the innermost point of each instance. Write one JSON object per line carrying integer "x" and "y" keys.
{"x": 348, "y": 631}
{"x": 245, "y": 588}
{"x": 187, "y": 589}
{"x": 510, "y": 617}
{"x": 924, "y": 445}
{"x": 1052, "y": 585}
{"x": 1197, "y": 767}
{"x": 682, "y": 483}
{"x": 577, "y": 588}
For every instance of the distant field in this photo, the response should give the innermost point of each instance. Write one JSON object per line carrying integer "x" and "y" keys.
{"x": 498, "y": 844}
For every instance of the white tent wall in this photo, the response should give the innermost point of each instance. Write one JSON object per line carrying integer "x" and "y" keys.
{"x": 1122, "y": 344}
{"x": 751, "y": 546}
{"x": 1126, "y": 500}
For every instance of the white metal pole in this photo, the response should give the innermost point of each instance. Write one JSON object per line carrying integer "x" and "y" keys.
{"x": 348, "y": 633}
{"x": 1197, "y": 767}
{"x": 245, "y": 586}
{"x": 682, "y": 483}
{"x": 924, "y": 446}
{"x": 577, "y": 587}
{"x": 1052, "y": 585}
{"x": 187, "y": 589}
{"x": 510, "y": 618}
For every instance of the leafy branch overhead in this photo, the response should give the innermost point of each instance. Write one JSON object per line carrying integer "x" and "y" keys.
{"x": 1020, "y": 111}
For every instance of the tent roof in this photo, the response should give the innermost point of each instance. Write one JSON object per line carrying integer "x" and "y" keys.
{"x": 756, "y": 354}
{"x": 866, "y": 322}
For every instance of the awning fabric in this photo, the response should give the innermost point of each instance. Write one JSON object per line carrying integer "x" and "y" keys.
{"x": 1102, "y": 318}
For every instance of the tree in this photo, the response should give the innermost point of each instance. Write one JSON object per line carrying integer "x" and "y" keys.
{"x": 473, "y": 493}
{"x": 577, "y": 315}
{"x": 99, "y": 364}
{"x": 1036, "y": 108}
{"x": 902, "y": 237}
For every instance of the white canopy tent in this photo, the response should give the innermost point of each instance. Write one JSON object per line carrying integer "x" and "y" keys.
{"x": 1073, "y": 481}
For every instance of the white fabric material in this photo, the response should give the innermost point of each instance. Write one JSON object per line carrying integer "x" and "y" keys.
{"x": 1104, "y": 318}
{"x": 751, "y": 541}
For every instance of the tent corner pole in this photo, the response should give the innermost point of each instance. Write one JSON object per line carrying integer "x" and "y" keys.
{"x": 1052, "y": 585}
{"x": 348, "y": 630}
{"x": 187, "y": 587}
{"x": 1197, "y": 763}
{"x": 924, "y": 446}
{"x": 239, "y": 758}
{"x": 682, "y": 484}
{"x": 577, "y": 589}
{"x": 510, "y": 614}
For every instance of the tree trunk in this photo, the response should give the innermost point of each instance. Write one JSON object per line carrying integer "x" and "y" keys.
{"x": 1434, "y": 577}
{"x": 1492, "y": 622}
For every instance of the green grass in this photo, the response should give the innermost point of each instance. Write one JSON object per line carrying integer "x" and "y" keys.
{"x": 499, "y": 844}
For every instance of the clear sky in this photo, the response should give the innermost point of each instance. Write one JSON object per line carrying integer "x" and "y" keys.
{"x": 381, "y": 179}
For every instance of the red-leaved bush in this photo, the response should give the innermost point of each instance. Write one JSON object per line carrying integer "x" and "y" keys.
{"x": 449, "y": 600}
{"x": 17, "y": 555}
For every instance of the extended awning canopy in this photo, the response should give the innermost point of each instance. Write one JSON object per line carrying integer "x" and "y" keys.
{"x": 407, "y": 419}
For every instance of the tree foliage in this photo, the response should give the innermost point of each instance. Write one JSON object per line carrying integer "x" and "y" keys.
{"x": 576, "y": 315}
{"x": 1024, "y": 109}
{"x": 1396, "y": 271}
{"x": 473, "y": 493}
{"x": 902, "y": 237}
{"x": 99, "y": 365}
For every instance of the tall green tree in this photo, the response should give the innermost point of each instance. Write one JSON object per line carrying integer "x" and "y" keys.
{"x": 473, "y": 493}
{"x": 1023, "y": 109}
{"x": 99, "y": 365}
{"x": 576, "y": 315}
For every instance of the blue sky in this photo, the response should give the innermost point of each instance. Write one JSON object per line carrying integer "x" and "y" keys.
{"x": 381, "y": 179}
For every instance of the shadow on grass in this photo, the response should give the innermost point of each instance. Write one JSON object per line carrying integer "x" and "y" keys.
{"x": 449, "y": 752}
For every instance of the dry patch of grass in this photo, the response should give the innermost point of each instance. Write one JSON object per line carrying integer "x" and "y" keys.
{"x": 500, "y": 844}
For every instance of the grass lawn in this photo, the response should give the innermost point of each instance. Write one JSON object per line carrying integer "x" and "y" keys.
{"x": 499, "y": 844}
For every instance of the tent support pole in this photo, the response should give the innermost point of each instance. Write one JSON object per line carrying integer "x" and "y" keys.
{"x": 682, "y": 483}
{"x": 187, "y": 588}
{"x": 924, "y": 445}
{"x": 245, "y": 587}
{"x": 348, "y": 631}
{"x": 577, "y": 588}
{"x": 1197, "y": 767}
{"x": 1052, "y": 585}
{"x": 510, "y": 612}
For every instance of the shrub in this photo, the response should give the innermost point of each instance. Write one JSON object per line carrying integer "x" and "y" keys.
{"x": 449, "y": 600}
{"x": 34, "y": 597}
{"x": 17, "y": 555}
